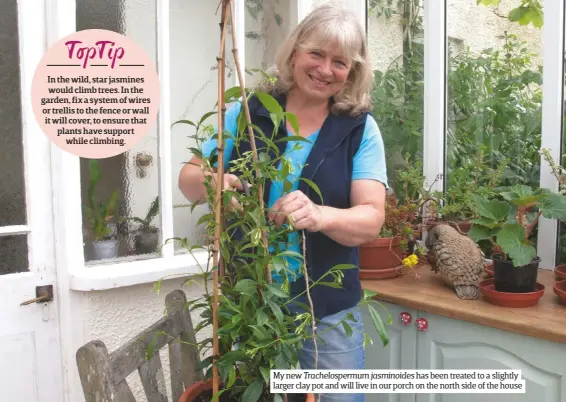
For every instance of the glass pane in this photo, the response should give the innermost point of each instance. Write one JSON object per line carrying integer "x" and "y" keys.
{"x": 397, "y": 53}
{"x": 494, "y": 106}
{"x": 12, "y": 189}
{"x": 13, "y": 254}
{"x": 561, "y": 249}
{"x": 132, "y": 230}
{"x": 267, "y": 24}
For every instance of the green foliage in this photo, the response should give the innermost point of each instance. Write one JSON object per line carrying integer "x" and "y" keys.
{"x": 100, "y": 213}
{"x": 508, "y": 220}
{"x": 529, "y": 12}
{"x": 256, "y": 329}
{"x": 145, "y": 223}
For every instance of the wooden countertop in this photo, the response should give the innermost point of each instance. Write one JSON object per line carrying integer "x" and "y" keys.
{"x": 546, "y": 320}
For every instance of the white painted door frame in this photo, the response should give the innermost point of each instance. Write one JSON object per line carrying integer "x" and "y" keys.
{"x": 29, "y": 334}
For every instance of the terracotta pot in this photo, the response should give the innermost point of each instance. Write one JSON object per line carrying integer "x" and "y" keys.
{"x": 464, "y": 226}
{"x": 194, "y": 391}
{"x": 560, "y": 290}
{"x": 560, "y": 272}
{"x": 381, "y": 254}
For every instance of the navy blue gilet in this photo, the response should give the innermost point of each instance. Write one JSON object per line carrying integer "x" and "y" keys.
{"x": 329, "y": 165}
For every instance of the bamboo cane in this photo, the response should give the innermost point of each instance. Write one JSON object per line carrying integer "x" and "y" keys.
{"x": 250, "y": 129}
{"x": 218, "y": 198}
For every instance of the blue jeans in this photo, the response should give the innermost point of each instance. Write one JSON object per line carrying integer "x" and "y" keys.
{"x": 336, "y": 350}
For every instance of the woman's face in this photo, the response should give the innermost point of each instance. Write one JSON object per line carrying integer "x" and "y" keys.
{"x": 320, "y": 73}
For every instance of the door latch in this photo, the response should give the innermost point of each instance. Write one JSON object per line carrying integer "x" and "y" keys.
{"x": 42, "y": 293}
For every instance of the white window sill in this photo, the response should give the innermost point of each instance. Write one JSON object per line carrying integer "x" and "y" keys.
{"x": 120, "y": 274}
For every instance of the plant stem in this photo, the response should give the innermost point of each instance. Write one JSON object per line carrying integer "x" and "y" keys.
{"x": 250, "y": 132}
{"x": 313, "y": 324}
{"x": 218, "y": 203}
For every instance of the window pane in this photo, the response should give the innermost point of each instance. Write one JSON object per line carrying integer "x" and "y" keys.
{"x": 267, "y": 24}
{"x": 561, "y": 249}
{"x": 12, "y": 190}
{"x": 13, "y": 254}
{"x": 494, "y": 104}
{"x": 194, "y": 75}
{"x": 133, "y": 176}
{"x": 397, "y": 52}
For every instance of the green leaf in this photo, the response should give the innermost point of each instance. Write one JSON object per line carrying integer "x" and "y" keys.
{"x": 260, "y": 332}
{"x": 293, "y": 138}
{"x": 486, "y": 223}
{"x": 291, "y": 118}
{"x": 244, "y": 284}
{"x": 477, "y": 233}
{"x": 511, "y": 239}
{"x": 341, "y": 267}
{"x": 265, "y": 372}
{"x": 276, "y": 310}
{"x": 274, "y": 290}
{"x": 517, "y": 13}
{"x": 184, "y": 122}
{"x": 261, "y": 318}
{"x": 217, "y": 395}
{"x": 553, "y": 206}
{"x": 253, "y": 392}
{"x": 494, "y": 210}
{"x": 232, "y": 94}
{"x": 314, "y": 187}
{"x": 270, "y": 103}
{"x": 292, "y": 254}
{"x": 231, "y": 377}
{"x": 378, "y": 325}
{"x": 347, "y": 328}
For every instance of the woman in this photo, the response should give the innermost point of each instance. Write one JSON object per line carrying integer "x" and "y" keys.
{"x": 323, "y": 77}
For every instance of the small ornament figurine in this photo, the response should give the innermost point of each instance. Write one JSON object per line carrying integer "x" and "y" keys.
{"x": 458, "y": 258}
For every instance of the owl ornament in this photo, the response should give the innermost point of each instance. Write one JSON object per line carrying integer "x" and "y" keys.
{"x": 457, "y": 258}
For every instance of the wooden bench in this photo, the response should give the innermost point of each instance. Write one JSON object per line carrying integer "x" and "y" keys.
{"x": 103, "y": 376}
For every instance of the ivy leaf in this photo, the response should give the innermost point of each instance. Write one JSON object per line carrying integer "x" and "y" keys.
{"x": 253, "y": 392}
{"x": 553, "y": 206}
{"x": 511, "y": 239}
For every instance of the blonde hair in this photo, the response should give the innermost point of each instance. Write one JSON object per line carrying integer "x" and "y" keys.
{"x": 323, "y": 25}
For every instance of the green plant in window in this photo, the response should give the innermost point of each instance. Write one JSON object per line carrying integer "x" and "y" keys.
{"x": 102, "y": 213}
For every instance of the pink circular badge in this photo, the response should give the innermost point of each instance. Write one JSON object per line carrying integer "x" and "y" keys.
{"x": 95, "y": 93}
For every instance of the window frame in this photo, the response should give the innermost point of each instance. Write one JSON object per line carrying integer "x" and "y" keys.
{"x": 66, "y": 167}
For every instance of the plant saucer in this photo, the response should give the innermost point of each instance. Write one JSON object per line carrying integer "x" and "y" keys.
{"x": 381, "y": 273}
{"x": 560, "y": 272}
{"x": 560, "y": 290}
{"x": 506, "y": 299}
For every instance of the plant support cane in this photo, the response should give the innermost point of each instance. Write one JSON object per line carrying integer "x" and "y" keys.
{"x": 228, "y": 9}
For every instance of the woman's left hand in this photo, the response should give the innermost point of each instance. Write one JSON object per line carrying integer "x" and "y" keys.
{"x": 297, "y": 209}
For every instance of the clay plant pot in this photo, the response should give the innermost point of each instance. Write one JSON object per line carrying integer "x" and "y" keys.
{"x": 560, "y": 290}
{"x": 381, "y": 258}
{"x": 464, "y": 226}
{"x": 560, "y": 272}
{"x": 202, "y": 392}
{"x": 511, "y": 279}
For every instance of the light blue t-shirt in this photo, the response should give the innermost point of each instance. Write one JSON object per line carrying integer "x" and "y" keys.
{"x": 369, "y": 163}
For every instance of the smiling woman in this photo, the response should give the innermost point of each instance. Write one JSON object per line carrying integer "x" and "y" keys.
{"x": 322, "y": 76}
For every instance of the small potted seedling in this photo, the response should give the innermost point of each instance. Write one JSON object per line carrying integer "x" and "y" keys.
{"x": 101, "y": 216}
{"x": 147, "y": 235}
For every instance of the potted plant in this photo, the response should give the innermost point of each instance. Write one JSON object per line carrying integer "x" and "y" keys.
{"x": 101, "y": 216}
{"x": 253, "y": 330}
{"x": 146, "y": 235}
{"x": 455, "y": 206}
{"x": 382, "y": 257}
{"x": 507, "y": 221}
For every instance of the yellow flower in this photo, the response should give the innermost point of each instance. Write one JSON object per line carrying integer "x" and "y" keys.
{"x": 410, "y": 261}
